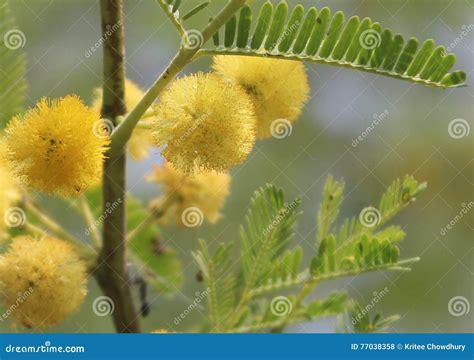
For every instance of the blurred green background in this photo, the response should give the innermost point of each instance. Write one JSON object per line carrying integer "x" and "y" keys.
{"x": 412, "y": 139}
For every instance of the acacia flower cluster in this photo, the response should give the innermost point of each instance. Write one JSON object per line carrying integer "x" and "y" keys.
{"x": 220, "y": 115}
{"x": 211, "y": 121}
{"x": 56, "y": 148}
{"x": 206, "y": 191}
{"x": 53, "y": 271}
{"x": 278, "y": 88}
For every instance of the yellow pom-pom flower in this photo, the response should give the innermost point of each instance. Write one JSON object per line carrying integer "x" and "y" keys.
{"x": 163, "y": 331}
{"x": 10, "y": 193}
{"x": 42, "y": 281}
{"x": 205, "y": 122}
{"x": 198, "y": 197}
{"x": 57, "y": 147}
{"x": 278, "y": 88}
{"x": 141, "y": 140}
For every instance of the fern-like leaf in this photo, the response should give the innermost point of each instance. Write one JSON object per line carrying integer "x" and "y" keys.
{"x": 330, "y": 206}
{"x": 359, "y": 320}
{"x": 12, "y": 66}
{"x": 320, "y": 37}
{"x": 269, "y": 313}
{"x": 268, "y": 229}
{"x": 397, "y": 196}
{"x": 220, "y": 280}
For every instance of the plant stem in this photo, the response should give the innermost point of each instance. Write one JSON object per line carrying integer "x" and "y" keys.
{"x": 185, "y": 55}
{"x": 111, "y": 272}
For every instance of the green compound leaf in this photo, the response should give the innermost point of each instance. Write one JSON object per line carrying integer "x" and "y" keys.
{"x": 320, "y": 37}
{"x": 12, "y": 66}
{"x": 268, "y": 229}
{"x": 220, "y": 280}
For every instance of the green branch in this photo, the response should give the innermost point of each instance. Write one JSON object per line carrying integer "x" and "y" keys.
{"x": 185, "y": 55}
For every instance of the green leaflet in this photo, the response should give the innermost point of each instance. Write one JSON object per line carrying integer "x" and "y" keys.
{"x": 12, "y": 65}
{"x": 321, "y": 37}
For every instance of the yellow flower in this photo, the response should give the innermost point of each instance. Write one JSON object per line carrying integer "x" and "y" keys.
{"x": 163, "y": 331}
{"x": 57, "y": 147}
{"x": 278, "y": 88}
{"x": 205, "y": 122}
{"x": 42, "y": 281}
{"x": 141, "y": 140}
{"x": 10, "y": 192}
{"x": 197, "y": 196}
